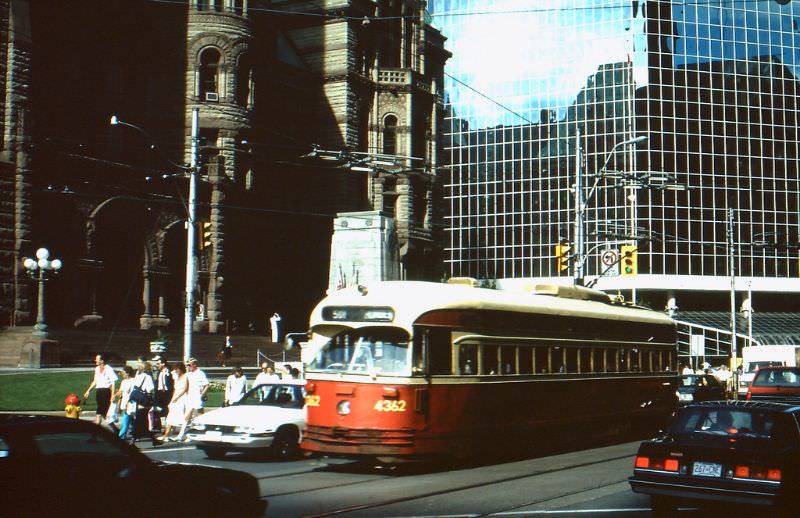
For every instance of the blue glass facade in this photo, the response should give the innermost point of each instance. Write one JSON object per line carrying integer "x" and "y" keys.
{"x": 540, "y": 91}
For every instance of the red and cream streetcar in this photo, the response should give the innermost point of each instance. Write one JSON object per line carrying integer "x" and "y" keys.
{"x": 404, "y": 370}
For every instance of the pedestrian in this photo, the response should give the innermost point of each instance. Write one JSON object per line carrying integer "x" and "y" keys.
{"x": 126, "y": 407}
{"x": 235, "y": 386}
{"x": 141, "y": 418}
{"x": 104, "y": 382}
{"x": 275, "y": 327}
{"x": 266, "y": 376}
{"x": 176, "y": 414}
{"x": 195, "y": 396}
{"x": 295, "y": 373}
{"x": 164, "y": 386}
{"x": 687, "y": 369}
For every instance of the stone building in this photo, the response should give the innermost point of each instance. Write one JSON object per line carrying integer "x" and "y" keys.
{"x": 274, "y": 84}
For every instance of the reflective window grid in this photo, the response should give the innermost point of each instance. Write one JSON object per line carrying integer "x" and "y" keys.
{"x": 711, "y": 84}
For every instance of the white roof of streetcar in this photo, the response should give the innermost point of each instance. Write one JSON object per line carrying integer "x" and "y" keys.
{"x": 411, "y": 299}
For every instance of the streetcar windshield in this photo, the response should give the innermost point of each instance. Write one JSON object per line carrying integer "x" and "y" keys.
{"x": 374, "y": 350}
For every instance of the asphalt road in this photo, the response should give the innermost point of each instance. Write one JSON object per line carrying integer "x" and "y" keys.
{"x": 581, "y": 483}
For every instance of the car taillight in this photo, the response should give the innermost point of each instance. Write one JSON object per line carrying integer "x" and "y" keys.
{"x": 656, "y": 463}
{"x": 757, "y": 473}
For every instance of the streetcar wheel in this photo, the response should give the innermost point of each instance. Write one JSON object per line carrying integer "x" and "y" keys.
{"x": 285, "y": 446}
{"x": 663, "y": 506}
{"x": 214, "y": 453}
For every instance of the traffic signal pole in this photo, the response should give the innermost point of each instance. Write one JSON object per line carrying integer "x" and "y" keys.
{"x": 577, "y": 263}
{"x": 191, "y": 266}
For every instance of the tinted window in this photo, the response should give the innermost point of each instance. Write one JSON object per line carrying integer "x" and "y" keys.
{"x": 778, "y": 378}
{"x": 732, "y": 422}
{"x": 83, "y": 443}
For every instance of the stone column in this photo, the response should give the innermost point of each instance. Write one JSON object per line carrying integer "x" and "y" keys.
{"x": 146, "y": 293}
{"x": 214, "y": 299}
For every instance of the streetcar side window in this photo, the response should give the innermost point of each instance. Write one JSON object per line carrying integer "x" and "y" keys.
{"x": 540, "y": 362}
{"x": 611, "y": 360}
{"x": 525, "y": 355}
{"x": 585, "y": 360}
{"x": 597, "y": 360}
{"x": 489, "y": 354}
{"x": 439, "y": 351}
{"x": 556, "y": 359}
{"x": 571, "y": 363}
{"x": 467, "y": 359}
{"x": 508, "y": 359}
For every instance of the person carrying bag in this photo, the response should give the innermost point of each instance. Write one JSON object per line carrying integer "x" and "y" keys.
{"x": 142, "y": 397}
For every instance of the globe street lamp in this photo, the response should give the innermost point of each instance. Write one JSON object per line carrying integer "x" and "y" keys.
{"x": 39, "y": 269}
{"x": 191, "y": 268}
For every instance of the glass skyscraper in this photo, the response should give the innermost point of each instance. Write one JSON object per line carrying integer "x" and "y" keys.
{"x": 540, "y": 91}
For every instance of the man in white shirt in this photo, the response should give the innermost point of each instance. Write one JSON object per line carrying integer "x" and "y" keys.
{"x": 266, "y": 376}
{"x": 235, "y": 386}
{"x": 198, "y": 386}
{"x": 103, "y": 382}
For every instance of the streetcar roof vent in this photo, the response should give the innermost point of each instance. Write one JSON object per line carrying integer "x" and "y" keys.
{"x": 464, "y": 281}
{"x": 572, "y": 292}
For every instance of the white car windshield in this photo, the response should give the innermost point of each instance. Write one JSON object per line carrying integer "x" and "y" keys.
{"x": 375, "y": 350}
{"x": 286, "y": 396}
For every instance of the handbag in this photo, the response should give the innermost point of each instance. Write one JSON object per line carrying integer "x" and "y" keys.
{"x": 111, "y": 415}
{"x": 140, "y": 397}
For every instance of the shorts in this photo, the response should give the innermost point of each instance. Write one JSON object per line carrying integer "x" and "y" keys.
{"x": 194, "y": 402}
{"x": 103, "y": 398}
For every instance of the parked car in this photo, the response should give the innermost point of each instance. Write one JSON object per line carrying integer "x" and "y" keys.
{"x": 54, "y": 466}
{"x": 775, "y": 384}
{"x": 699, "y": 387}
{"x": 268, "y": 418}
{"x": 739, "y": 452}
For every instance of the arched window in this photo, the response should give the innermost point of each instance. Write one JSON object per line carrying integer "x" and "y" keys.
{"x": 390, "y": 135}
{"x": 244, "y": 80}
{"x": 209, "y": 72}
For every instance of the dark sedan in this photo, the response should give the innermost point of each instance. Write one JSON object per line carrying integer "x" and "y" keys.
{"x": 53, "y": 466}
{"x": 738, "y": 452}
{"x": 699, "y": 387}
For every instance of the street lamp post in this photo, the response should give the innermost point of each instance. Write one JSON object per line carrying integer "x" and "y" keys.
{"x": 37, "y": 269}
{"x": 191, "y": 217}
{"x": 582, "y": 201}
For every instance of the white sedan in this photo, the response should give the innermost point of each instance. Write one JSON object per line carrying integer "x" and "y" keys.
{"x": 269, "y": 417}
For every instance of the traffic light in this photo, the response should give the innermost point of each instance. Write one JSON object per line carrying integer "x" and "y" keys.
{"x": 205, "y": 241}
{"x": 562, "y": 256}
{"x": 628, "y": 260}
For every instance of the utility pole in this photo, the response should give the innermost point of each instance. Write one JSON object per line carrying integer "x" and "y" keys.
{"x": 732, "y": 269}
{"x": 577, "y": 265}
{"x": 190, "y": 240}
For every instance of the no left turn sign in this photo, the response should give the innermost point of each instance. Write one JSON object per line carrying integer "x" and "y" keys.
{"x": 610, "y": 260}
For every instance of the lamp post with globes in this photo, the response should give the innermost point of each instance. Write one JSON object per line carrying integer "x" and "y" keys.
{"x": 39, "y": 269}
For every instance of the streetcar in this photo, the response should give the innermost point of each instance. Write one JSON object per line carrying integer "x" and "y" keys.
{"x": 404, "y": 370}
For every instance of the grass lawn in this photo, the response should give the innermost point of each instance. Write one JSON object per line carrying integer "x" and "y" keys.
{"x": 45, "y": 391}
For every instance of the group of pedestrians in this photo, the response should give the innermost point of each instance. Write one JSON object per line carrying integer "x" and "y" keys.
{"x": 174, "y": 394}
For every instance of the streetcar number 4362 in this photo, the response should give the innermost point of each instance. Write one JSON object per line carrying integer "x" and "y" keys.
{"x": 387, "y": 405}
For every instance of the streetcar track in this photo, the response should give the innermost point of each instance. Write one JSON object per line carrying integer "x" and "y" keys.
{"x": 555, "y": 497}
{"x": 482, "y": 484}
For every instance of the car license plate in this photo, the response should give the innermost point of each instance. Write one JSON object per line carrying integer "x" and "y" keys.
{"x": 707, "y": 469}
{"x": 213, "y": 435}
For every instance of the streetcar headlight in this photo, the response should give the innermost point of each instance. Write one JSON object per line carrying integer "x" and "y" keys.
{"x": 343, "y": 407}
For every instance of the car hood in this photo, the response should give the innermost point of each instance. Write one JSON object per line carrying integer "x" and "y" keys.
{"x": 250, "y": 415}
